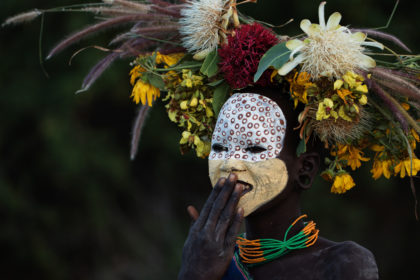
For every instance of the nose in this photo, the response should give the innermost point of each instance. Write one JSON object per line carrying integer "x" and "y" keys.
{"x": 233, "y": 165}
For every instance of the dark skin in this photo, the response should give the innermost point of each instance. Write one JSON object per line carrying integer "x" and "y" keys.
{"x": 212, "y": 236}
{"x": 210, "y": 245}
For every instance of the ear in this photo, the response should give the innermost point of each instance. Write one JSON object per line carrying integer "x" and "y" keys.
{"x": 308, "y": 169}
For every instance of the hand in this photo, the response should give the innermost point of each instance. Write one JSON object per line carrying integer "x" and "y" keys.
{"x": 210, "y": 244}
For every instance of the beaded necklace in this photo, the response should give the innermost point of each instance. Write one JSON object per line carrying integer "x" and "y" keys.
{"x": 259, "y": 251}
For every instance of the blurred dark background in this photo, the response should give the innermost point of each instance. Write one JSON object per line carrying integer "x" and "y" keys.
{"x": 72, "y": 204}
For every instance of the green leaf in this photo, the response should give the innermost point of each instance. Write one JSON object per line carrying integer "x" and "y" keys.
{"x": 216, "y": 83}
{"x": 301, "y": 148}
{"x": 220, "y": 95}
{"x": 277, "y": 56}
{"x": 209, "y": 67}
{"x": 155, "y": 80}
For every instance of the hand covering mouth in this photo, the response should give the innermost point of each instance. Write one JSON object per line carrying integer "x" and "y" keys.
{"x": 247, "y": 186}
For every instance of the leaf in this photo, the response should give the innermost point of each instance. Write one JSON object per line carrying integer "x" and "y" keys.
{"x": 215, "y": 83}
{"x": 221, "y": 94}
{"x": 301, "y": 148}
{"x": 155, "y": 80}
{"x": 277, "y": 56}
{"x": 209, "y": 67}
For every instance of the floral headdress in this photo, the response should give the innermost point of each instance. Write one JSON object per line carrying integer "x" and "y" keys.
{"x": 200, "y": 51}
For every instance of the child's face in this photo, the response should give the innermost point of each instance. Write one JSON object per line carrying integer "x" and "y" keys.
{"x": 247, "y": 141}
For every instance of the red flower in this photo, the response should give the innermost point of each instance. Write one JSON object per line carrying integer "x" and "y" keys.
{"x": 241, "y": 55}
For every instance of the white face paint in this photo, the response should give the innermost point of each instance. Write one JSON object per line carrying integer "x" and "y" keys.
{"x": 247, "y": 139}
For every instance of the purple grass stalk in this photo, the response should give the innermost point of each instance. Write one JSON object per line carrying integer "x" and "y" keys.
{"x": 160, "y": 3}
{"x": 159, "y": 30}
{"x": 390, "y": 77}
{"x": 177, "y": 6}
{"x": 155, "y": 29}
{"x": 165, "y": 11}
{"x": 97, "y": 71}
{"x": 100, "y": 26}
{"x": 171, "y": 49}
{"x": 389, "y": 103}
{"x": 133, "y": 5}
{"x": 137, "y": 129}
{"x": 109, "y": 11}
{"x": 382, "y": 35}
{"x": 133, "y": 47}
{"x": 409, "y": 76}
{"x": 399, "y": 89}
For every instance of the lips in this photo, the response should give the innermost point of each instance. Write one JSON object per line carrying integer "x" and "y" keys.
{"x": 248, "y": 187}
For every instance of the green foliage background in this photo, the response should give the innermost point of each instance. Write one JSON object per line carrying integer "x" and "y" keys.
{"x": 72, "y": 204}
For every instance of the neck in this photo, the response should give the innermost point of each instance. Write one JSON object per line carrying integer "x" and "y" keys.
{"x": 274, "y": 221}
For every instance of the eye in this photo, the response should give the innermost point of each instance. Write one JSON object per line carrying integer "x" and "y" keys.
{"x": 255, "y": 149}
{"x": 218, "y": 148}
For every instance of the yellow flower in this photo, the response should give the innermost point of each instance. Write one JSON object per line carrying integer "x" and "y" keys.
{"x": 404, "y": 167}
{"x": 352, "y": 155}
{"x": 377, "y": 148}
{"x": 405, "y": 106}
{"x": 343, "y": 115}
{"x": 416, "y": 139}
{"x": 202, "y": 148}
{"x": 299, "y": 85}
{"x": 169, "y": 59}
{"x": 338, "y": 84}
{"x": 381, "y": 167}
{"x": 136, "y": 73}
{"x": 342, "y": 183}
{"x": 144, "y": 91}
{"x": 363, "y": 100}
{"x": 325, "y": 110}
{"x": 343, "y": 93}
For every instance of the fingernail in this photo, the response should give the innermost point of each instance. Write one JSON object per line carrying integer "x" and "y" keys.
{"x": 232, "y": 177}
{"x": 240, "y": 187}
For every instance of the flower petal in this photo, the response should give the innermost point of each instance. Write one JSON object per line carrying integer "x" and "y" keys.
{"x": 373, "y": 44}
{"x": 295, "y": 51}
{"x": 314, "y": 29}
{"x": 358, "y": 36}
{"x": 366, "y": 61}
{"x": 333, "y": 21}
{"x": 293, "y": 44}
{"x": 289, "y": 66}
{"x": 321, "y": 14}
{"x": 304, "y": 25}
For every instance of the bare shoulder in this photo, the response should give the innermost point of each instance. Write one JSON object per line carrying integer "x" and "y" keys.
{"x": 348, "y": 260}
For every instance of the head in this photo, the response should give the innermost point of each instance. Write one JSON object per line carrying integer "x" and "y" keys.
{"x": 254, "y": 138}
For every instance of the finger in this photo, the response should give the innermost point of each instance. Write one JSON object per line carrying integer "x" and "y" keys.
{"x": 234, "y": 227}
{"x": 229, "y": 212}
{"x": 193, "y": 213}
{"x": 221, "y": 201}
{"x": 209, "y": 203}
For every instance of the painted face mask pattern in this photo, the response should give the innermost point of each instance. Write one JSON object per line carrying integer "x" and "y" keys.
{"x": 247, "y": 140}
{"x": 247, "y": 121}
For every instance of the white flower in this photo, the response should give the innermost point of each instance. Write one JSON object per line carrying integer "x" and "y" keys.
{"x": 330, "y": 50}
{"x": 201, "y": 22}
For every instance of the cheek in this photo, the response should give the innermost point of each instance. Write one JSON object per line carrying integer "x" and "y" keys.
{"x": 270, "y": 178}
{"x": 215, "y": 171}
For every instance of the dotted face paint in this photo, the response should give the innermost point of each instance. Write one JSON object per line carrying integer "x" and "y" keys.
{"x": 247, "y": 139}
{"x": 250, "y": 127}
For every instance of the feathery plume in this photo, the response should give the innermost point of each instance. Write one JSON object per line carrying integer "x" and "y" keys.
{"x": 22, "y": 17}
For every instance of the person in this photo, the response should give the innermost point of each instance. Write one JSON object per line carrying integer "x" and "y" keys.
{"x": 264, "y": 191}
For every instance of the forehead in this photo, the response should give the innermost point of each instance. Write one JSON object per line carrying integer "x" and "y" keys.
{"x": 248, "y": 119}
